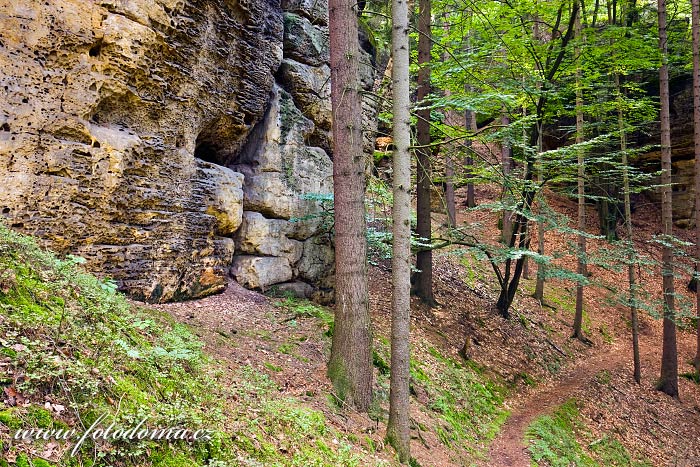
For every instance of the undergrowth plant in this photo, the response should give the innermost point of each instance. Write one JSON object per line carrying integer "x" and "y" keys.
{"x": 556, "y": 441}
{"x": 72, "y": 350}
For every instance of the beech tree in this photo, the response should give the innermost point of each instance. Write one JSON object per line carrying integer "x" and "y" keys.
{"x": 668, "y": 382}
{"x": 398, "y": 434}
{"x": 350, "y": 365}
{"x": 632, "y": 256}
{"x": 548, "y": 67}
{"x": 580, "y": 189}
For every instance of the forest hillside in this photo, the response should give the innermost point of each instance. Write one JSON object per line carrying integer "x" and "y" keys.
{"x": 251, "y": 367}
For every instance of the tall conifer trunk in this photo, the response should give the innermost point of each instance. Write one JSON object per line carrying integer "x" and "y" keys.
{"x": 470, "y": 126}
{"x": 398, "y": 433}
{"x": 423, "y": 281}
{"x": 696, "y": 143}
{"x": 350, "y": 365}
{"x": 668, "y": 382}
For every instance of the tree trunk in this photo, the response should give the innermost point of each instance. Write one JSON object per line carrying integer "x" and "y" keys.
{"x": 631, "y": 271}
{"x": 398, "y": 434}
{"x": 668, "y": 382}
{"x": 506, "y": 167}
{"x": 526, "y": 260}
{"x": 470, "y": 124}
{"x": 696, "y": 141}
{"x": 578, "y": 315}
{"x": 450, "y": 191}
{"x": 449, "y": 161}
{"x": 541, "y": 267}
{"x": 350, "y": 365}
{"x": 509, "y": 278}
{"x": 423, "y": 280}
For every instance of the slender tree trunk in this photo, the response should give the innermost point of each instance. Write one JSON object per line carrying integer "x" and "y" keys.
{"x": 631, "y": 271}
{"x": 526, "y": 260}
{"x": 668, "y": 382}
{"x": 449, "y": 161}
{"x": 450, "y": 191}
{"x": 582, "y": 270}
{"x": 539, "y": 282}
{"x": 423, "y": 280}
{"x": 398, "y": 434}
{"x": 541, "y": 267}
{"x": 350, "y": 365}
{"x": 470, "y": 125}
{"x": 506, "y": 166}
{"x": 696, "y": 141}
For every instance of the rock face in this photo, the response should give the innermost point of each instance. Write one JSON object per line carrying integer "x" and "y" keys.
{"x": 149, "y": 137}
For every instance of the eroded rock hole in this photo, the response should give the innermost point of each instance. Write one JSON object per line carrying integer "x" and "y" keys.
{"x": 207, "y": 152}
{"x": 219, "y": 142}
{"x": 96, "y": 49}
{"x": 5, "y": 127}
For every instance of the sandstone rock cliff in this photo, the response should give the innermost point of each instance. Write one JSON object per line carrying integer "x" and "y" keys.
{"x": 149, "y": 136}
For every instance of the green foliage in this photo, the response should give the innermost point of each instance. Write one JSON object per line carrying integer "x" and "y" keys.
{"x": 71, "y": 335}
{"x": 693, "y": 376}
{"x": 74, "y": 337}
{"x": 323, "y": 212}
{"x": 467, "y": 403}
{"x": 552, "y": 439}
{"x": 301, "y": 308}
{"x": 555, "y": 440}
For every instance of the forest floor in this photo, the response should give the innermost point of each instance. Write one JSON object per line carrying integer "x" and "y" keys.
{"x": 528, "y": 366}
{"x": 525, "y": 394}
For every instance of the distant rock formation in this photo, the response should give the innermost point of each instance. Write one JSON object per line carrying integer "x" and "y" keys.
{"x": 171, "y": 143}
{"x": 683, "y": 158}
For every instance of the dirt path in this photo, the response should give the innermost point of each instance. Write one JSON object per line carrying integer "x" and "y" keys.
{"x": 508, "y": 448}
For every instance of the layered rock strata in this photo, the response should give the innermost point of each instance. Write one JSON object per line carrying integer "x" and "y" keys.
{"x": 170, "y": 142}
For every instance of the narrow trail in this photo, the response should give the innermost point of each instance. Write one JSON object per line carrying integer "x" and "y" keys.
{"x": 508, "y": 448}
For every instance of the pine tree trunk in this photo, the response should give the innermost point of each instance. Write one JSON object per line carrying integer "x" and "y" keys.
{"x": 398, "y": 434}
{"x": 631, "y": 271}
{"x": 668, "y": 382}
{"x": 696, "y": 141}
{"x": 423, "y": 280}
{"x": 582, "y": 270}
{"x": 350, "y": 365}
